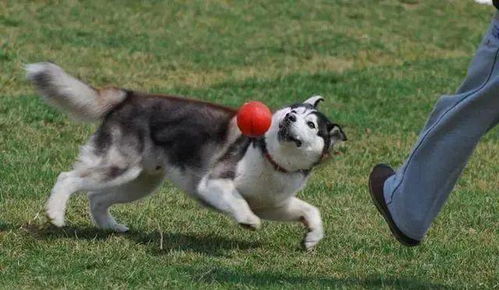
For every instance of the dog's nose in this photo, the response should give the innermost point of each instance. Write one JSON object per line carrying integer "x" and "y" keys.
{"x": 290, "y": 117}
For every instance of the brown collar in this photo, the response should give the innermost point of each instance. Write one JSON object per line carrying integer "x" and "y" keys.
{"x": 274, "y": 164}
{"x": 263, "y": 146}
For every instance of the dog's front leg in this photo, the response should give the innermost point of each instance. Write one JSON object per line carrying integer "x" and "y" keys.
{"x": 222, "y": 195}
{"x": 298, "y": 210}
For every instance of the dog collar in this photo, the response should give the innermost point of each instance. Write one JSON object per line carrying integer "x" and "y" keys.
{"x": 274, "y": 163}
{"x": 263, "y": 146}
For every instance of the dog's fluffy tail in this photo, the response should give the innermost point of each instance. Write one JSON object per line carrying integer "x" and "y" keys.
{"x": 79, "y": 100}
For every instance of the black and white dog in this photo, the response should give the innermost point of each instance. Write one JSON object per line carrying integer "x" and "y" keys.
{"x": 144, "y": 138}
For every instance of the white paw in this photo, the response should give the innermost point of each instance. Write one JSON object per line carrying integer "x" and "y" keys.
{"x": 120, "y": 228}
{"x": 251, "y": 222}
{"x": 112, "y": 225}
{"x": 312, "y": 239}
{"x": 55, "y": 217}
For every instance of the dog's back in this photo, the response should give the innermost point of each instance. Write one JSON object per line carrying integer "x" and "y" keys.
{"x": 157, "y": 130}
{"x": 179, "y": 136}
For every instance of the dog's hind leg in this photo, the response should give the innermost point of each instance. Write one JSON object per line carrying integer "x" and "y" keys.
{"x": 88, "y": 179}
{"x": 101, "y": 201}
{"x": 298, "y": 210}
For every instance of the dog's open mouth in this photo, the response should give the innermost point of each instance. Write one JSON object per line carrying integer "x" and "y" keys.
{"x": 285, "y": 136}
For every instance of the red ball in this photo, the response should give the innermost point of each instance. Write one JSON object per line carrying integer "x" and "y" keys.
{"x": 254, "y": 119}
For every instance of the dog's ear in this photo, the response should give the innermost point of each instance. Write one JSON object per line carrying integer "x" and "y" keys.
{"x": 336, "y": 133}
{"x": 314, "y": 101}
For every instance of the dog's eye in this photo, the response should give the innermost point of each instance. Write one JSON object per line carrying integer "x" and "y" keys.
{"x": 311, "y": 124}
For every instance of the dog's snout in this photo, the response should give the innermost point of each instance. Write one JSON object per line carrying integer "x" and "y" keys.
{"x": 290, "y": 117}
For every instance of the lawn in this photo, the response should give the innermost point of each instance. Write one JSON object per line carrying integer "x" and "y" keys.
{"x": 381, "y": 64}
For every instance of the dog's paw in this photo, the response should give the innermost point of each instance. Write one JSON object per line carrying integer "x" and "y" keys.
{"x": 120, "y": 228}
{"x": 251, "y": 227}
{"x": 111, "y": 225}
{"x": 311, "y": 239}
{"x": 55, "y": 218}
{"x": 252, "y": 223}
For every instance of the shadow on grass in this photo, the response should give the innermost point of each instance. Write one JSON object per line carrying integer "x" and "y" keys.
{"x": 273, "y": 279}
{"x": 157, "y": 243}
{"x": 163, "y": 243}
{"x": 5, "y": 226}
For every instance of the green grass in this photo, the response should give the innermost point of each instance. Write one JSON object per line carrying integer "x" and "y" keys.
{"x": 381, "y": 66}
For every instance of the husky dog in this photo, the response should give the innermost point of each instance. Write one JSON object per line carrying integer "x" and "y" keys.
{"x": 145, "y": 138}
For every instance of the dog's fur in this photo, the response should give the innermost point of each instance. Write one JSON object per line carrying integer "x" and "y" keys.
{"x": 144, "y": 138}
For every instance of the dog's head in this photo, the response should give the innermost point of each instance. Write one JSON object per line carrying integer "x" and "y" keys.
{"x": 300, "y": 135}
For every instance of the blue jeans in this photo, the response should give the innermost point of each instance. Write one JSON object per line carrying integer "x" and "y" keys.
{"x": 418, "y": 190}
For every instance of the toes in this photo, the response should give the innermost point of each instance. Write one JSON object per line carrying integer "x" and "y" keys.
{"x": 311, "y": 240}
{"x": 250, "y": 222}
{"x": 113, "y": 226}
{"x": 55, "y": 218}
{"x": 120, "y": 228}
{"x": 251, "y": 227}
{"x": 309, "y": 245}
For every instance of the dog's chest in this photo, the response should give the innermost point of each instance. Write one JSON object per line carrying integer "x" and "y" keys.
{"x": 263, "y": 186}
